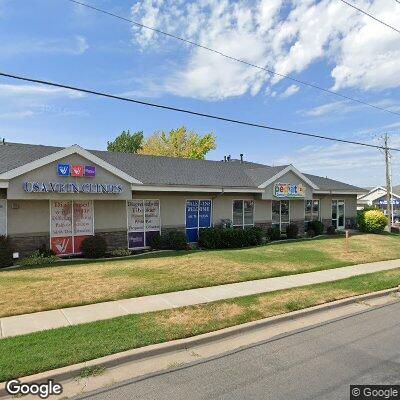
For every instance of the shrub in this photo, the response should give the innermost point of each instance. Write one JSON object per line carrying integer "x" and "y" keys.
{"x": 331, "y": 230}
{"x": 317, "y": 227}
{"x": 360, "y": 216}
{"x": 177, "y": 240}
{"x": 310, "y": 233}
{"x": 171, "y": 240}
{"x": 372, "y": 221}
{"x": 46, "y": 252}
{"x": 38, "y": 258}
{"x": 121, "y": 252}
{"x": 94, "y": 247}
{"x": 6, "y": 252}
{"x": 217, "y": 238}
{"x": 292, "y": 230}
{"x": 273, "y": 233}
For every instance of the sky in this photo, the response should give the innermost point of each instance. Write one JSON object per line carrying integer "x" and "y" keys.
{"x": 323, "y": 42}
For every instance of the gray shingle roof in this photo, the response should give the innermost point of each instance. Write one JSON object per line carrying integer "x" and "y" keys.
{"x": 151, "y": 170}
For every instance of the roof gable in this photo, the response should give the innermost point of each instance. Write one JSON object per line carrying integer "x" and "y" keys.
{"x": 75, "y": 149}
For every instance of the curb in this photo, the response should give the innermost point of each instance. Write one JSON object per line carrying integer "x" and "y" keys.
{"x": 70, "y": 372}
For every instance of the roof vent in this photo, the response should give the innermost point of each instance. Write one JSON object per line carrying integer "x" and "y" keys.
{"x": 228, "y": 158}
{"x": 3, "y": 141}
{"x": 241, "y": 158}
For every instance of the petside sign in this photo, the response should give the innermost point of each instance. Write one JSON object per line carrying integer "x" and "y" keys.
{"x": 67, "y": 170}
{"x": 289, "y": 190}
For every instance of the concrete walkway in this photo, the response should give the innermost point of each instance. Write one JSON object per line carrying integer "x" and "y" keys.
{"x": 27, "y": 323}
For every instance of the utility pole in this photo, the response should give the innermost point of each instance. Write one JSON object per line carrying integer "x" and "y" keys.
{"x": 389, "y": 206}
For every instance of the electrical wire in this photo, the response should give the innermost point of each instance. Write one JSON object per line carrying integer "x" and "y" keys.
{"x": 187, "y": 111}
{"x": 299, "y": 81}
{"x": 371, "y": 16}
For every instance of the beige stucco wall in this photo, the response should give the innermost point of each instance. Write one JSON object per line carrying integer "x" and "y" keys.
{"x": 173, "y": 206}
{"x": 296, "y": 210}
{"x": 350, "y": 205}
{"x": 48, "y": 173}
{"x": 28, "y": 217}
{"x": 109, "y": 215}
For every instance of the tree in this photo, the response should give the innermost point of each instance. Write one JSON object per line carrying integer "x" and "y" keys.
{"x": 179, "y": 143}
{"x": 127, "y": 142}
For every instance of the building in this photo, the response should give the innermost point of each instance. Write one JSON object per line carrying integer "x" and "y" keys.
{"x": 377, "y": 197}
{"x": 58, "y": 196}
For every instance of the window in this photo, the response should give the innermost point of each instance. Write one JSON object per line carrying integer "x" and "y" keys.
{"x": 143, "y": 222}
{"x": 198, "y": 215}
{"x": 242, "y": 213}
{"x": 281, "y": 214}
{"x": 312, "y": 210}
{"x": 70, "y": 223}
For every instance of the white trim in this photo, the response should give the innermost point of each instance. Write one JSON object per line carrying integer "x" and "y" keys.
{"x": 372, "y": 191}
{"x": 280, "y": 212}
{"x": 144, "y": 222}
{"x": 6, "y": 214}
{"x": 3, "y": 185}
{"x": 289, "y": 168}
{"x": 207, "y": 189}
{"x": 74, "y": 149}
{"x": 254, "y": 208}
{"x": 198, "y": 216}
{"x": 337, "y": 214}
{"x": 336, "y": 192}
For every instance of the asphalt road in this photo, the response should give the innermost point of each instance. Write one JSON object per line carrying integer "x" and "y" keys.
{"x": 316, "y": 363}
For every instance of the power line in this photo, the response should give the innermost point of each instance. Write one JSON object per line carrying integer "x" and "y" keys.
{"x": 186, "y": 111}
{"x": 371, "y": 16}
{"x": 304, "y": 83}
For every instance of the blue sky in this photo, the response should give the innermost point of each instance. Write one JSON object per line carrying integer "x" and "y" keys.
{"x": 324, "y": 42}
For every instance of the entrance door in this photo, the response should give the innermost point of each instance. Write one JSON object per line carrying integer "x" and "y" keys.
{"x": 281, "y": 214}
{"x": 338, "y": 214}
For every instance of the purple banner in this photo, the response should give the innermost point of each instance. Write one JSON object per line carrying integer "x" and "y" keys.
{"x": 135, "y": 239}
{"x": 90, "y": 171}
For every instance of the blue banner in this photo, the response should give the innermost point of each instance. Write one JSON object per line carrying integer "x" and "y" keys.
{"x": 205, "y": 214}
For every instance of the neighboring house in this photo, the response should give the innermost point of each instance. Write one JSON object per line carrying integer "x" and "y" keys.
{"x": 377, "y": 197}
{"x": 56, "y": 197}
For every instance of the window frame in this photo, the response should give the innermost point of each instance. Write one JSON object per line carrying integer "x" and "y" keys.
{"x": 144, "y": 222}
{"x": 198, "y": 216}
{"x": 312, "y": 212}
{"x": 280, "y": 214}
{"x": 243, "y": 225}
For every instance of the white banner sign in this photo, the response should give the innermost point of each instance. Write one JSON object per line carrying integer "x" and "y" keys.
{"x": 135, "y": 211}
{"x": 61, "y": 218}
{"x": 152, "y": 215}
{"x": 83, "y": 217}
{"x": 3, "y": 217}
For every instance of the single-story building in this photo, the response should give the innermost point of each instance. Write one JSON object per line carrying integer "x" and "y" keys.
{"x": 56, "y": 197}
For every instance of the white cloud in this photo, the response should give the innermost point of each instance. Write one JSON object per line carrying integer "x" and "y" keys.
{"x": 358, "y": 165}
{"x": 9, "y": 90}
{"x": 286, "y": 37}
{"x": 290, "y": 91}
{"x": 17, "y": 114}
{"x": 75, "y": 46}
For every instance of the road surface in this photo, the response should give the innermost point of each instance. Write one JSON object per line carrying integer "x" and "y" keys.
{"x": 317, "y": 363}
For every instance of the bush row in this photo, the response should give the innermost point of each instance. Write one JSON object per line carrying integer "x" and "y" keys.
{"x": 217, "y": 238}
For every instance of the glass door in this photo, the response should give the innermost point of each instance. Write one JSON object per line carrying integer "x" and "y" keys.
{"x": 338, "y": 214}
{"x": 281, "y": 214}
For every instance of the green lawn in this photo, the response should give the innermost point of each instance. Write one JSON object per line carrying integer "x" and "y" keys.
{"x": 75, "y": 283}
{"x": 42, "y": 351}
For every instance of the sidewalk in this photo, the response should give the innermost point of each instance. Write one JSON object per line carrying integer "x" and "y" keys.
{"x": 27, "y": 323}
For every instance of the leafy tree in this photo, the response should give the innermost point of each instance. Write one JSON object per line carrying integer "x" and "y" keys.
{"x": 179, "y": 143}
{"x": 127, "y": 142}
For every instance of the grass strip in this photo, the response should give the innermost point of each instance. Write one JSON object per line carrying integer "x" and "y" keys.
{"x": 68, "y": 285}
{"x": 42, "y": 351}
